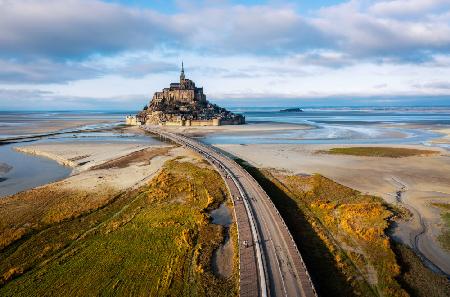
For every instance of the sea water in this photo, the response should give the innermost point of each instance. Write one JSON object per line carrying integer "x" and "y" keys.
{"x": 413, "y": 125}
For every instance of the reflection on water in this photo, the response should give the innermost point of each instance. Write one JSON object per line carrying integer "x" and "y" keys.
{"x": 222, "y": 259}
{"x": 221, "y": 215}
{"x": 27, "y": 171}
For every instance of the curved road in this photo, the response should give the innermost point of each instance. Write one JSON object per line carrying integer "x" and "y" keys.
{"x": 270, "y": 263}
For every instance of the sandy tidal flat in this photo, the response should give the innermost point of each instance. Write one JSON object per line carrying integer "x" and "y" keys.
{"x": 82, "y": 155}
{"x": 250, "y": 128}
{"x": 444, "y": 139}
{"x": 425, "y": 179}
{"x": 44, "y": 127}
{"x": 99, "y": 157}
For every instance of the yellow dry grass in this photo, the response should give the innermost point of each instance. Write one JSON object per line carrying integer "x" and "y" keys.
{"x": 153, "y": 241}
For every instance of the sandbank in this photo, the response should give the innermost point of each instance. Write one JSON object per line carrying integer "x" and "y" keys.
{"x": 105, "y": 165}
{"x": 83, "y": 155}
{"x": 444, "y": 139}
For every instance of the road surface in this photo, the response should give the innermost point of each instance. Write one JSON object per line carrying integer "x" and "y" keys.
{"x": 270, "y": 263}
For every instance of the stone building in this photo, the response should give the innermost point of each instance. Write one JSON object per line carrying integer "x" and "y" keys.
{"x": 183, "y": 92}
{"x": 184, "y": 104}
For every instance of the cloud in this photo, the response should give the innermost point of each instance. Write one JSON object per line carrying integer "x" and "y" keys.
{"x": 44, "y": 71}
{"x": 360, "y": 31}
{"x": 35, "y": 99}
{"x": 75, "y": 28}
{"x": 434, "y": 85}
{"x": 248, "y": 29}
{"x": 324, "y": 58}
{"x": 22, "y": 94}
{"x": 407, "y": 8}
{"x": 344, "y": 100}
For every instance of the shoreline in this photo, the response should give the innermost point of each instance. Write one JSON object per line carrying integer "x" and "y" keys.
{"x": 39, "y": 153}
{"x": 31, "y": 125}
{"x": 33, "y": 137}
{"x": 83, "y": 156}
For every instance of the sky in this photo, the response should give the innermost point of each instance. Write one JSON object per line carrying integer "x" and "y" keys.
{"x": 114, "y": 54}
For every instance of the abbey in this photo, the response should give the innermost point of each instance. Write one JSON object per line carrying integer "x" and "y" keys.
{"x": 183, "y": 92}
{"x": 183, "y": 104}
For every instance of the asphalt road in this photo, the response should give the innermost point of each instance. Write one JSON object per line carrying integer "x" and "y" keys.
{"x": 270, "y": 263}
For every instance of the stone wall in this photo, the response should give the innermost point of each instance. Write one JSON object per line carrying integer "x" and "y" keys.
{"x": 194, "y": 123}
{"x": 131, "y": 121}
{"x": 181, "y": 95}
{"x": 236, "y": 121}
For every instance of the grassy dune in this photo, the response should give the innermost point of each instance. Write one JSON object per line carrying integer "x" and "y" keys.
{"x": 444, "y": 238}
{"x": 416, "y": 278}
{"x": 390, "y": 152}
{"x": 156, "y": 240}
{"x": 341, "y": 235}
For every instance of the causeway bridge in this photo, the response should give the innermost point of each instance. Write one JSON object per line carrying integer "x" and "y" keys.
{"x": 269, "y": 261}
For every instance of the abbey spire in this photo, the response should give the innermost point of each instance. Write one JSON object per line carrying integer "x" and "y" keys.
{"x": 182, "y": 77}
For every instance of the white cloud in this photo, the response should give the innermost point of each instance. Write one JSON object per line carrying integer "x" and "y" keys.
{"x": 407, "y": 7}
{"x": 74, "y": 28}
{"x": 356, "y": 29}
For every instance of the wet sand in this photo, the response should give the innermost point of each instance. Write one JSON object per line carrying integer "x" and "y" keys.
{"x": 49, "y": 126}
{"x": 105, "y": 165}
{"x": 249, "y": 128}
{"x": 426, "y": 179}
{"x": 444, "y": 139}
{"x": 83, "y": 155}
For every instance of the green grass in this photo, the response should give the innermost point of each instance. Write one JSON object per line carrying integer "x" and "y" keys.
{"x": 390, "y": 152}
{"x": 443, "y": 206}
{"x": 154, "y": 241}
{"x": 418, "y": 280}
{"x": 444, "y": 237}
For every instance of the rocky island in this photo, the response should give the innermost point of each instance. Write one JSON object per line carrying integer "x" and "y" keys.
{"x": 183, "y": 104}
{"x": 296, "y": 109}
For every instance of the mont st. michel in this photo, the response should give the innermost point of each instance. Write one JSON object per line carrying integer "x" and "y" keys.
{"x": 183, "y": 104}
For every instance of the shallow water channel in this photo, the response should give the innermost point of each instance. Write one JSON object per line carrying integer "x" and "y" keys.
{"x": 26, "y": 171}
{"x": 222, "y": 260}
